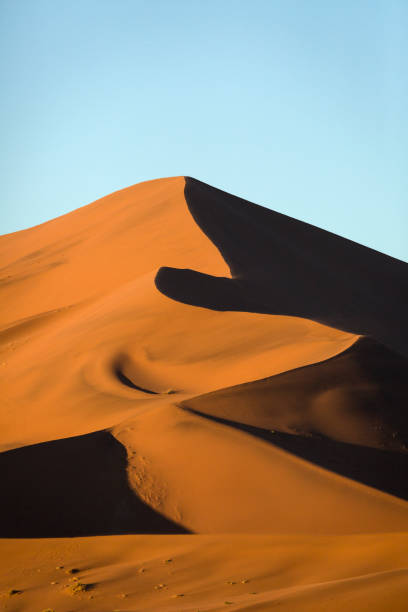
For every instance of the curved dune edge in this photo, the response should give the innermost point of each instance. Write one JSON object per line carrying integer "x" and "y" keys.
{"x": 280, "y": 265}
{"x": 212, "y": 478}
{"x": 252, "y": 572}
{"x": 73, "y": 487}
{"x": 356, "y": 396}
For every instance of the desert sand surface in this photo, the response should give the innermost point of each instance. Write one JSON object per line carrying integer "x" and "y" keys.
{"x": 203, "y": 407}
{"x": 207, "y": 572}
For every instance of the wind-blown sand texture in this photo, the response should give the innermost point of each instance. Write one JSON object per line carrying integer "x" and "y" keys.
{"x": 203, "y": 407}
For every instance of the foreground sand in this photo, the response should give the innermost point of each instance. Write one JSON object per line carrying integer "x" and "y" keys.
{"x": 257, "y": 396}
{"x": 197, "y": 572}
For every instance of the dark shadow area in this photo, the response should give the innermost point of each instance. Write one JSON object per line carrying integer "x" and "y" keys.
{"x": 120, "y": 369}
{"x": 73, "y": 487}
{"x": 283, "y": 266}
{"x": 127, "y": 382}
{"x": 384, "y": 470}
{"x": 213, "y": 292}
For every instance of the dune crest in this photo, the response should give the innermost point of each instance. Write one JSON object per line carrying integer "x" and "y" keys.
{"x": 282, "y": 266}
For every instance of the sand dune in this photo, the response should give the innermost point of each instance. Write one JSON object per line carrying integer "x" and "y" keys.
{"x": 212, "y": 478}
{"x": 337, "y": 398}
{"x": 149, "y": 343}
{"x": 346, "y": 413}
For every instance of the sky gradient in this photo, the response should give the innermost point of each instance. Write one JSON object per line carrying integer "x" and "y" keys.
{"x": 296, "y": 105}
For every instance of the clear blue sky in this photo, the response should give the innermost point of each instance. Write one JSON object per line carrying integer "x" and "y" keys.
{"x": 297, "y": 105}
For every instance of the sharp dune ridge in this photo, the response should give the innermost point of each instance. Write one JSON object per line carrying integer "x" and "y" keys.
{"x": 273, "y": 257}
{"x": 176, "y": 360}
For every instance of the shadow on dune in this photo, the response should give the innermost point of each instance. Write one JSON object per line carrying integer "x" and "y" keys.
{"x": 73, "y": 487}
{"x": 381, "y": 469}
{"x": 119, "y": 373}
{"x": 283, "y": 266}
{"x": 347, "y": 414}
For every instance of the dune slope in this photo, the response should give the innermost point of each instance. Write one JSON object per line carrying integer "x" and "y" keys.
{"x": 149, "y": 343}
{"x": 347, "y": 413}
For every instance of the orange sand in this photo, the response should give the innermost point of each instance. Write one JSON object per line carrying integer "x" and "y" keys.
{"x": 175, "y": 360}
